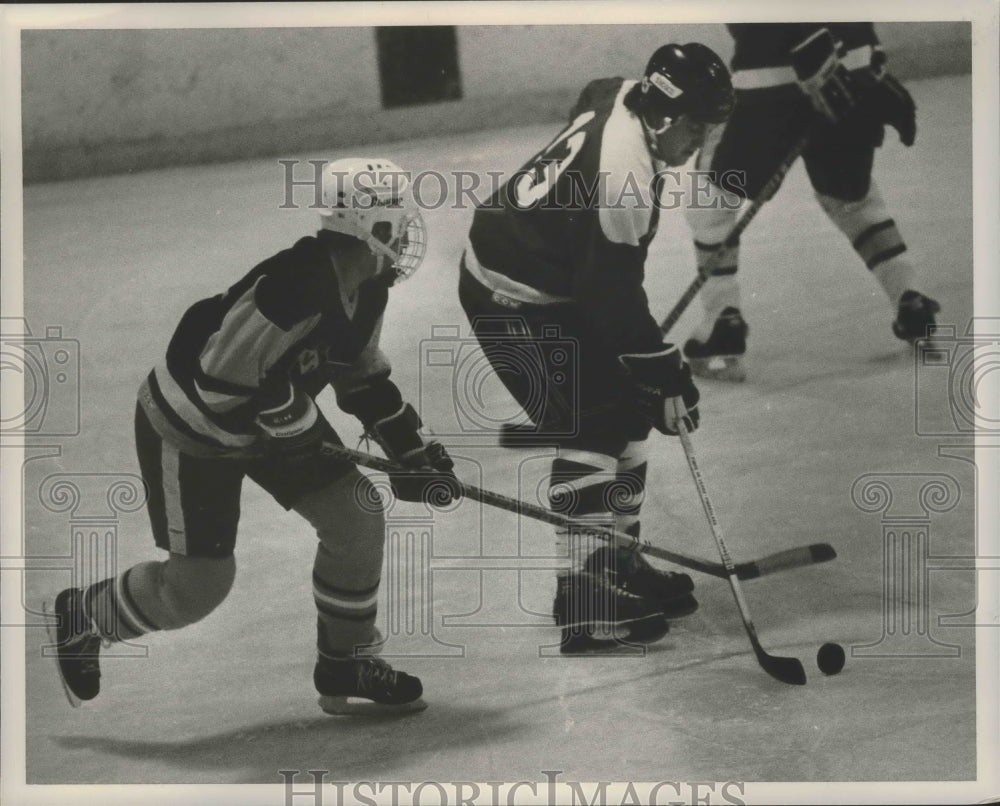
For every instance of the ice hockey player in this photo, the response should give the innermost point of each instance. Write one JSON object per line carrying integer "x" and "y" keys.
{"x": 830, "y": 78}
{"x": 233, "y": 398}
{"x": 556, "y": 260}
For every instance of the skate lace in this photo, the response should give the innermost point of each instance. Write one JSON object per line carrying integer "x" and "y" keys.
{"x": 374, "y": 675}
{"x": 90, "y": 645}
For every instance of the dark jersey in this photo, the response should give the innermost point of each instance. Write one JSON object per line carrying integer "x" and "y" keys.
{"x": 232, "y": 355}
{"x": 766, "y": 44}
{"x": 575, "y": 222}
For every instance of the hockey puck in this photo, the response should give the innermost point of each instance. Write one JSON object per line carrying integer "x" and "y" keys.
{"x": 830, "y": 658}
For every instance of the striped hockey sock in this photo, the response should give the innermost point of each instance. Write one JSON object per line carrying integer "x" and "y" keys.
{"x": 581, "y": 486}
{"x": 346, "y": 607}
{"x": 876, "y": 238}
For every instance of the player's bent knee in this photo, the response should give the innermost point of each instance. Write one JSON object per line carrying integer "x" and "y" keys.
{"x": 348, "y": 509}
{"x": 854, "y": 217}
{"x": 192, "y": 587}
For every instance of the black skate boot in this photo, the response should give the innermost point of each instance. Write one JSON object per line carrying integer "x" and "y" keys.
{"x": 597, "y": 616}
{"x": 721, "y": 356}
{"x": 78, "y": 646}
{"x": 364, "y": 686}
{"x": 633, "y": 573}
{"x": 915, "y": 316}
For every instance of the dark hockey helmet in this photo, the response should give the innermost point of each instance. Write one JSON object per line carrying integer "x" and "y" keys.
{"x": 687, "y": 80}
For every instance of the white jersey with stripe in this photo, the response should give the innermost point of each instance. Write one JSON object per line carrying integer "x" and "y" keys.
{"x": 232, "y": 355}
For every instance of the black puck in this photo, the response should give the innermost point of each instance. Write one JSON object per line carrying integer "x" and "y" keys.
{"x": 830, "y": 658}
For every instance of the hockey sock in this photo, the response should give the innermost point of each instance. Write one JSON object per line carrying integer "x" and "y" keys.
{"x": 875, "y": 238}
{"x": 711, "y": 220}
{"x": 630, "y": 487}
{"x": 580, "y": 487}
{"x": 155, "y": 596}
{"x": 721, "y": 290}
{"x": 349, "y": 523}
{"x": 346, "y": 604}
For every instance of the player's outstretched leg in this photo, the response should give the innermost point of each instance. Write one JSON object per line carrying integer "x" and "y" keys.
{"x": 718, "y": 353}
{"x": 597, "y": 616}
{"x": 78, "y": 646}
{"x": 630, "y": 571}
{"x": 365, "y": 685}
{"x": 915, "y": 316}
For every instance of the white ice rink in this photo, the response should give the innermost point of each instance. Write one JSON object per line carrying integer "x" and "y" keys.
{"x": 833, "y": 403}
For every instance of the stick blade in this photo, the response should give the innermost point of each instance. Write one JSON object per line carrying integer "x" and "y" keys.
{"x": 784, "y": 670}
{"x": 822, "y": 552}
{"x": 786, "y": 560}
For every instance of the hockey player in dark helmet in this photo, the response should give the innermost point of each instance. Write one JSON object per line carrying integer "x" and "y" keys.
{"x": 831, "y": 79}
{"x": 232, "y": 398}
{"x": 557, "y": 257}
{"x": 684, "y": 90}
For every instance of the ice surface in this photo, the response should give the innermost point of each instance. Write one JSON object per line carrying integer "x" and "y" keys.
{"x": 830, "y": 397}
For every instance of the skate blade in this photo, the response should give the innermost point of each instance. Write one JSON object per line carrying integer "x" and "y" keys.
{"x": 604, "y": 625}
{"x": 719, "y": 368}
{"x": 609, "y": 641}
{"x": 359, "y": 706}
{"x": 50, "y": 628}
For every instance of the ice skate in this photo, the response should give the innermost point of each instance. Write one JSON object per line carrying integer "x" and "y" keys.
{"x": 631, "y": 572}
{"x": 597, "y": 616}
{"x": 366, "y": 685}
{"x": 721, "y": 355}
{"x": 77, "y": 644}
{"x": 915, "y": 316}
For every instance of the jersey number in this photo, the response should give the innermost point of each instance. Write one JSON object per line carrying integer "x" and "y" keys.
{"x": 537, "y": 180}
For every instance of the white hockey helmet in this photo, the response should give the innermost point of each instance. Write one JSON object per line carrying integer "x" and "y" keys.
{"x": 370, "y": 199}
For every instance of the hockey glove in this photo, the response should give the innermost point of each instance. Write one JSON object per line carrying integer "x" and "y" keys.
{"x": 821, "y": 76}
{"x": 295, "y": 426}
{"x": 658, "y": 379}
{"x": 429, "y": 475}
{"x": 885, "y": 99}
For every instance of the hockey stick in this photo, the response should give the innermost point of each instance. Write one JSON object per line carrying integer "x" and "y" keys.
{"x": 782, "y": 560}
{"x": 704, "y": 272}
{"x": 787, "y": 670}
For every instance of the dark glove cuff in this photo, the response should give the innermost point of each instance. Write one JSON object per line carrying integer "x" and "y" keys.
{"x": 379, "y": 399}
{"x": 398, "y": 434}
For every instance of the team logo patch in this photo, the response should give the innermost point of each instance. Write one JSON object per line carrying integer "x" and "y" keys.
{"x": 666, "y": 86}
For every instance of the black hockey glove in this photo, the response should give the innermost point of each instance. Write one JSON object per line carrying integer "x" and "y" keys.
{"x": 821, "y": 76}
{"x": 294, "y": 426}
{"x": 429, "y": 477}
{"x": 888, "y": 101}
{"x": 658, "y": 380}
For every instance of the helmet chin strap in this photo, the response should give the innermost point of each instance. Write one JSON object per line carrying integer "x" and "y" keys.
{"x": 380, "y": 249}
{"x": 652, "y": 143}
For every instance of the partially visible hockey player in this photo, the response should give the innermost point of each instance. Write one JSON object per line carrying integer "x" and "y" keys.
{"x": 831, "y": 79}
{"x": 234, "y": 398}
{"x": 556, "y": 258}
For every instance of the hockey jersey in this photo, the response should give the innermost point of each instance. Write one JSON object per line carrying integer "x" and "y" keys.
{"x": 762, "y": 50}
{"x": 573, "y": 225}
{"x": 234, "y": 354}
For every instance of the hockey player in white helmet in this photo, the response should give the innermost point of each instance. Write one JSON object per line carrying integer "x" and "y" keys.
{"x": 233, "y": 397}
{"x": 557, "y": 257}
{"x": 831, "y": 79}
